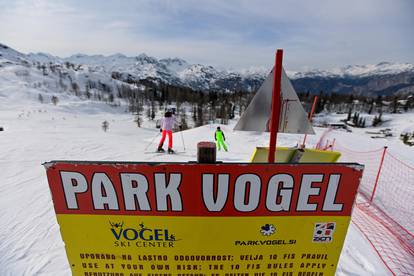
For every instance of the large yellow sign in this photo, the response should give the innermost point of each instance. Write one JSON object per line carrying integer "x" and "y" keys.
{"x": 193, "y": 219}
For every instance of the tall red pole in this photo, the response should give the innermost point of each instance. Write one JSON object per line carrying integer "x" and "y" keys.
{"x": 315, "y": 99}
{"x": 276, "y": 100}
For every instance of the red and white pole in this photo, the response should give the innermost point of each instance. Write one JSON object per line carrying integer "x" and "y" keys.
{"x": 276, "y": 100}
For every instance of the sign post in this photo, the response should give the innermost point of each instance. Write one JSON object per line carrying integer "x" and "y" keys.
{"x": 120, "y": 218}
{"x": 275, "y": 117}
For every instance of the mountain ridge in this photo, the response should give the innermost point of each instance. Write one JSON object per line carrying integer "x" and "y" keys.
{"x": 384, "y": 78}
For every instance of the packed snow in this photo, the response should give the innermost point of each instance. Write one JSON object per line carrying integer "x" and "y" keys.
{"x": 36, "y": 133}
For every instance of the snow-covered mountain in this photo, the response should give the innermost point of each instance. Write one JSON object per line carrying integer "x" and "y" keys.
{"x": 8, "y": 55}
{"x": 174, "y": 71}
{"x": 28, "y": 78}
{"x": 358, "y": 71}
{"x": 384, "y": 78}
{"x": 380, "y": 79}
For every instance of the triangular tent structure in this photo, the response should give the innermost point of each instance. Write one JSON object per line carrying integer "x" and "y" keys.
{"x": 293, "y": 118}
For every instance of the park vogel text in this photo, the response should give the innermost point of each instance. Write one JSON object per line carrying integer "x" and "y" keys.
{"x": 213, "y": 192}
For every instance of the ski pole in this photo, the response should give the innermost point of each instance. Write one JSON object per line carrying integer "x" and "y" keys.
{"x": 152, "y": 141}
{"x": 182, "y": 139}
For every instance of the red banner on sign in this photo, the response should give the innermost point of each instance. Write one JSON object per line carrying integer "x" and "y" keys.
{"x": 203, "y": 189}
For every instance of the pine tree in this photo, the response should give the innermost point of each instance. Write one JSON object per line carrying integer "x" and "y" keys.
{"x": 87, "y": 92}
{"x": 54, "y": 100}
{"x": 75, "y": 88}
{"x": 44, "y": 70}
{"x": 395, "y": 105}
{"x": 406, "y": 106}
{"x": 183, "y": 121}
{"x": 111, "y": 98}
{"x": 138, "y": 120}
{"x": 349, "y": 114}
{"x": 233, "y": 111}
{"x": 152, "y": 109}
{"x": 378, "y": 102}
{"x": 320, "y": 105}
{"x": 360, "y": 122}
{"x": 200, "y": 120}
{"x": 105, "y": 125}
{"x": 355, "y": 119}
{"x": 375, "y": 121}
{"x": 405, "y": 138}
{"x": 371, "y": 107}
{"x": 148, "y": 113}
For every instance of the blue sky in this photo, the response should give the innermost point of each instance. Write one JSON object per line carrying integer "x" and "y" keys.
{"x": 230, "y": 34}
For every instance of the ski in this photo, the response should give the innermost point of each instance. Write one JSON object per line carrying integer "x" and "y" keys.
{"x": 163, "y": 153}
{"x": 154, "y": 152}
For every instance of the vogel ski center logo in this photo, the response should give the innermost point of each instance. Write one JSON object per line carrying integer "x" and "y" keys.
{"x": 141, "y": 236}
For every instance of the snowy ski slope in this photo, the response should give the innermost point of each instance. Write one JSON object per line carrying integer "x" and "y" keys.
{"x": 30, "y": 242}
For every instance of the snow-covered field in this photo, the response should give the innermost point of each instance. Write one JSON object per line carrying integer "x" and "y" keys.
{"x": 30, "y": 242}
{"x": 360, "y": 138}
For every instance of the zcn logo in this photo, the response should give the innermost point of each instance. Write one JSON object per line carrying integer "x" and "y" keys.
{"x": 323, "y": 232}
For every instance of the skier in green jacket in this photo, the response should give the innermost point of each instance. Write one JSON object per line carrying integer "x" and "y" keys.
{"x": 220, "y": 138}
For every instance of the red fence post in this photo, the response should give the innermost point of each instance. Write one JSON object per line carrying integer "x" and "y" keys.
{"x": 326, "y": 145}
{"x": 315, "y": 99}
{"x": 333, "y": 144}
{"x": 378, "y": 174}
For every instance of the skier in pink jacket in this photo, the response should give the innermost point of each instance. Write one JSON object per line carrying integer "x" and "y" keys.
{"x": 167, "y": 124}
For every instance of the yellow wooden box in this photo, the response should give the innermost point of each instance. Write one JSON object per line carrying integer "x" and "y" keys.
{"x": 285, "y": 154}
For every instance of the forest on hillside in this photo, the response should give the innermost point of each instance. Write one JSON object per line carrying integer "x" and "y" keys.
{"x": 150, "y": 97}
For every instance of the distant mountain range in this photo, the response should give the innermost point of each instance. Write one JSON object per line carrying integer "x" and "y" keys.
{"x": 380, "y": 79}
{"x": 384, "y": 78}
